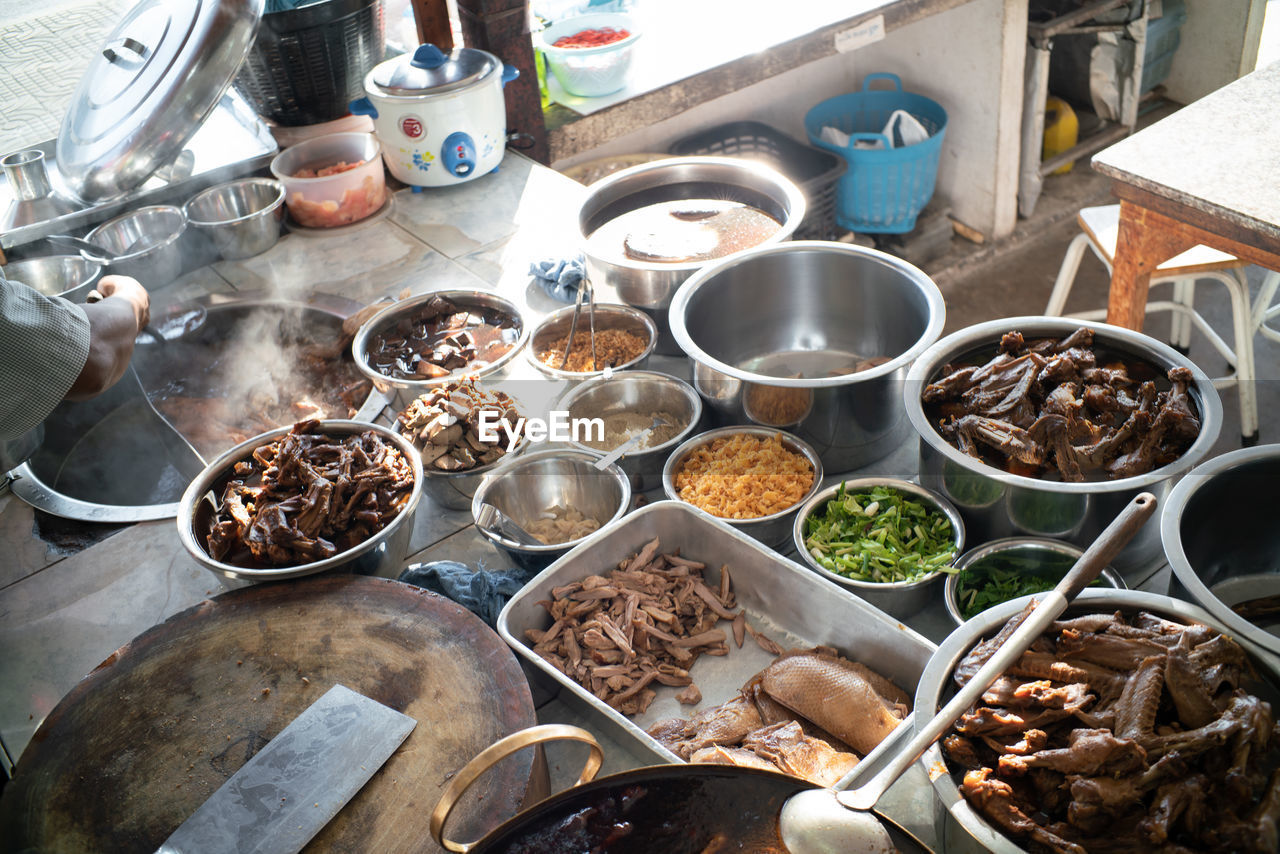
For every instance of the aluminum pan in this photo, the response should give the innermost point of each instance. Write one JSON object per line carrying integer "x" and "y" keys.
{"x": 793, "y": 606}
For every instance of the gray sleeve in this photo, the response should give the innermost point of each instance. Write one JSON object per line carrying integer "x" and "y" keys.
{"x": 44, "y": 344}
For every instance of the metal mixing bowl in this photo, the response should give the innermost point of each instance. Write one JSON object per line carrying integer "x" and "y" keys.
{"x": 753, "y": 321}
{"x": 455, "y": 489}
{"x": 650, "y": 286}
{"x": 772, "y": 530}
{"x": 148, "y": 241}
{"x": 608, "y": 316}
{"x": 381, "y": 554}
{"x": 242, "y": 218}
{"x": 1045, "y": 557}
{"x": 936, "y": 687}
{"x": 996, "y": 504}
{"x": 408, "y": 390}
{"x": 1222, "y": 542}
{"x": 68, "y": 276}
{"x": 899, "y": 599}
{"x": 640, "y": 392}
{"x": 526, "y": 487}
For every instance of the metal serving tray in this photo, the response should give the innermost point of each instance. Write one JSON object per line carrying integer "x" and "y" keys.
{"x": 792, "y": 605}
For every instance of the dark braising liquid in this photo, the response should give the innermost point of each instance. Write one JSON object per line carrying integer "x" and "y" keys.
{"x": 718, "y": 811}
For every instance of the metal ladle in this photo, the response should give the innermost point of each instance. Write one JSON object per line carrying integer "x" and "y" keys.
{"x": 629, "y": 445}
{"x": 839, "y": 819}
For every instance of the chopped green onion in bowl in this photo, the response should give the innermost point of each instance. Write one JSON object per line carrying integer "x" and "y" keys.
{"x": 1009, "y": 573}
{"x": 880, "y": 535}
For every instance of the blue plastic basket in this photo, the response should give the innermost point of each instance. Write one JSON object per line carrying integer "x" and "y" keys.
{"x": 884, "y": 189}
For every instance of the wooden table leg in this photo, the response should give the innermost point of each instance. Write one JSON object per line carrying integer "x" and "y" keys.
{"x": 1141, "y": 246}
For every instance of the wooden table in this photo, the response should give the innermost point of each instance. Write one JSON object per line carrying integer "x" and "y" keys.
{"x": 1208, "y": 174}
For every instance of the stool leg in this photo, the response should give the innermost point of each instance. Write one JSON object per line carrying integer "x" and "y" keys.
{"x": 1066, "y": 275}
{"x": 1265, "y": 295}
{"x": 1242, "y": 323}
{"x": 1184, "y": 293}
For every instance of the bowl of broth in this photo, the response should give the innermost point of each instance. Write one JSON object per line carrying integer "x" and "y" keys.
{"x": 646, "y": 229}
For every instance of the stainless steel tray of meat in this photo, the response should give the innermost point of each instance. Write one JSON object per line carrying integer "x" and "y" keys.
{"x": 791, "y": 605}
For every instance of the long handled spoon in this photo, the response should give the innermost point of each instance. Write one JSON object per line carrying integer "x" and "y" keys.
{"x": 826, "y": 821}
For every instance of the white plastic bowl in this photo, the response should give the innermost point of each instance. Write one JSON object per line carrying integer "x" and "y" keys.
{"x": 590, "y": 71}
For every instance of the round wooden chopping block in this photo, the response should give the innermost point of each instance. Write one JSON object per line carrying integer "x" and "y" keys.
{"x": 148, "y": 736}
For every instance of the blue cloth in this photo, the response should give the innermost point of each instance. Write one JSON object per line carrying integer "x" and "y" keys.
{"x": 481, "y": 591}
{"x": 559, "y": 277}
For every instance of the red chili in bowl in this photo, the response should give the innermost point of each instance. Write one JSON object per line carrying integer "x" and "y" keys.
{"x": 592, "y": 38}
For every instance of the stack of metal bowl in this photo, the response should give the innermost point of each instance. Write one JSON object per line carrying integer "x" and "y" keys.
{"x": 68, "y": 276}
{"x": 525, "y": 488}
{"x": 776, "y": 334}
{"x": 997, "y": 504}
{"x": 1223, "y": 543}
{"x": 146, "y": 242}
{"x": 772, "y": 530}
{"x": 900, "y": 598}
{"x": 650, "y": 286}
{"x": 241, "y": 218}
{"x": 640, "y": 393}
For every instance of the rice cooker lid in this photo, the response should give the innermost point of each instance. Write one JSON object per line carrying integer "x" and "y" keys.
{"x": 431, "y": 71}
{"x": 159, "y": 74}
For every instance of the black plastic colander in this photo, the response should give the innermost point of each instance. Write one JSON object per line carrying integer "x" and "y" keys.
{"x": 307, "y": 64}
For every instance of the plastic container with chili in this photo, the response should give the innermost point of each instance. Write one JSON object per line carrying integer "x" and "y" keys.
{"x": 592, "y": 55}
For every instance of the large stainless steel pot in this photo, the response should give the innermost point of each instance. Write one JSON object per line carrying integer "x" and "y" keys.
{"x": 675, "y": 809}
{"x": 755, "y": 319}
{"x": 650, "y": 286}
{"x": 1221, "y": 539}
{"x": 381, "y": 554}
{"x": 967, "y": 831}
{"x": 997, "y": 504}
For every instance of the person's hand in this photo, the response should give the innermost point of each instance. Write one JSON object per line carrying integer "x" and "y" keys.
{"x": 126, "y": 288}
{"x": 114, "y": 322}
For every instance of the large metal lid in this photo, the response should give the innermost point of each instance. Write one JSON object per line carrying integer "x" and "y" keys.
{"x": 431, "y": 71}
{"x": 159, "y": 75}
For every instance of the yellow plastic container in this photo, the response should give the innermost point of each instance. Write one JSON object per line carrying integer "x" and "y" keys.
{"x": 1061, "y": 130}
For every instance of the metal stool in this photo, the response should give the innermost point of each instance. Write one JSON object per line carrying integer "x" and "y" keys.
{"x": 1099, "y": 226}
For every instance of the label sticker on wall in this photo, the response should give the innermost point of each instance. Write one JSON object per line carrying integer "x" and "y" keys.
{"x": 862, "y": 35}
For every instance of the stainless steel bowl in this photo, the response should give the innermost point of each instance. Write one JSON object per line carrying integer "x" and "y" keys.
{"x": 68, "y": 276}
{"x": 899, "y": 599}
{"x": 241, "y": 218}
{"x": 1222, "y": 541}
{"x": 772, "y": 530}
{"x": 996, "y": 504}
{"x": 408, "y": 390}
{"x": 608, "y": 316}
{"x": 936, "y": 687}
{"x": 526, "y": 487}
{"x": 455, "y": 489}
{"x": 756, "y": 319}
{"x": 381, "y": 554}
{"x": 639, "y": 392}
{"x": 650, "y": 286}
{"x": 1049, "y": 558}
{"x": 148, "y": 241}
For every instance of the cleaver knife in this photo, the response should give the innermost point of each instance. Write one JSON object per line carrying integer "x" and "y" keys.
{"x": 294, "y": 785}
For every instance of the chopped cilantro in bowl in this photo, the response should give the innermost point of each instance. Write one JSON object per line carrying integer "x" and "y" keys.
{"x": 880, "y": 534}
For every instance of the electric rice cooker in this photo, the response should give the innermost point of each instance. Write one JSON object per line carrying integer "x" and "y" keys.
{"x": 440, "y": 116}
